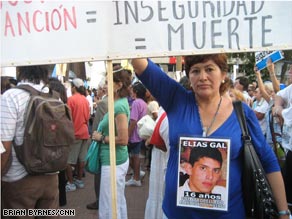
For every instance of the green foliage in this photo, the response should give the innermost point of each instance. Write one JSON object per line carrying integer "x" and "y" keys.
{"x": 246, "y": 63}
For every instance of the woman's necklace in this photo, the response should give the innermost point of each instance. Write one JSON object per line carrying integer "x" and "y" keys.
{"x": 207, "y": 129}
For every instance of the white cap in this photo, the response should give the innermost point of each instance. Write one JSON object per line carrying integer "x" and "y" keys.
{"x": 77, "y": 82}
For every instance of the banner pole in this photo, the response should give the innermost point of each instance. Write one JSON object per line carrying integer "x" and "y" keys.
{"x": 112, "y": 138}
{"x": 179, "y": 63}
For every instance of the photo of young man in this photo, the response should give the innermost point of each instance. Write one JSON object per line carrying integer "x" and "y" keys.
{"x": 205, "y": 170}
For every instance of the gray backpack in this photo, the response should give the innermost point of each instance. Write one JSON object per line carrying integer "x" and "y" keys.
{"x": 48, "y": 133}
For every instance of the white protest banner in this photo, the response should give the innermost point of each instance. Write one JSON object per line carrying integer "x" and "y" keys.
{"x": 39, "y": 32}
{"x": 261, "y": 58}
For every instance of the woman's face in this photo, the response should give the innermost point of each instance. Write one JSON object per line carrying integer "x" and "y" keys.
{"x": 270, "y": 92}
{"x": 132, "y": 93}
{"x": 206, "y": 78}
{"x": 99, "y": 92}
{"x": 258, "y": 94}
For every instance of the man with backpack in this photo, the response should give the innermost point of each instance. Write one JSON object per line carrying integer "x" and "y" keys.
{"x": 21, "y": 190}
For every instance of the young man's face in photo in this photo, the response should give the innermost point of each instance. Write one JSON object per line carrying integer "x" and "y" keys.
{"x": 204, "y": 175}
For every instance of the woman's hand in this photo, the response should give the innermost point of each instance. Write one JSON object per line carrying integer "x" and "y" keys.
{"x": 277, "y": 110}
{"x": 256, "y": 71}
{"x": 139, "y": 65}
{"x": 96, "y": 136}
{"x": 270, "y": 67}
{"x": 284, "y": 217}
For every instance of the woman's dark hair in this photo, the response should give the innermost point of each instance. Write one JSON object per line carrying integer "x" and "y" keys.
{"x": 56, "y": 85}
{"x": 185, "y": 82}
{"x": 219, "y": 59}
{"x": 5, "y": 84}
{"x": 243, "y": 81}
{"x": 139, "y": 90}
{"x": 34, "y": 74}
{"x": 199, "y": 152}
{"x": 226, "y": 85}
{"x": 123, "y": 76}
{"x": 13, "y": 82}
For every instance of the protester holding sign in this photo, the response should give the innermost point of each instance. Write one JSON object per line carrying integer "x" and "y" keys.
{"x": 204, "y": 112}
{"x": 260, "y": 108}
{"x": 268, "y": 91}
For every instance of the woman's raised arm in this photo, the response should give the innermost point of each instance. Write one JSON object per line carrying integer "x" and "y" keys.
{"x": 139, "y": 65}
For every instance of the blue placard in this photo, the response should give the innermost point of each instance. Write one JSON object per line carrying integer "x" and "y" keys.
{"x": 262, "y": 57}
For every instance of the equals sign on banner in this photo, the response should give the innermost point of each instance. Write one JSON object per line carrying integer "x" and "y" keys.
{"x": 91, "y": 20}
{"x": 140, "y": 40}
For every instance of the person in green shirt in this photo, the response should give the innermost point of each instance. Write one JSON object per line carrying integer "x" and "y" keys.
{"x": 122, "y": 82}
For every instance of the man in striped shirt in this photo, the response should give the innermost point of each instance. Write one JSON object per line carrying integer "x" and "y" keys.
{"x": 19, "y": 189}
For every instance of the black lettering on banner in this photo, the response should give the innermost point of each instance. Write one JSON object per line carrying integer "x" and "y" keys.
{"x": 175, "y": 11}
{"x": 264, "y": 30}
{"x": 140, "y": 40}
{"x": 91, "y": 20}
{"x": 160, "y": 12}
{"x": 179, "y": 29}
{"x": 150, "y": 16}
{"x": 232, "y": 26}
{"x": 215, "y": 34}
{"x": 207, "y": 20}
{"x": 195, "y": 23}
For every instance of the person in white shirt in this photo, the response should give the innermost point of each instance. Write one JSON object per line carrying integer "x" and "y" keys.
{"x": 283, "y": 109}
{"x": 261, "y": 107}
{"x": 89, "y": 98}
{"x": 159, "y": 158}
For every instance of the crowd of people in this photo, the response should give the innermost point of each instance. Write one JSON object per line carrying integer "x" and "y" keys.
{"x": 198, "y": 107}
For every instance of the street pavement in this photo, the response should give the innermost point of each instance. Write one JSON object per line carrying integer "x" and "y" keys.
{"x": 136, "y": 199}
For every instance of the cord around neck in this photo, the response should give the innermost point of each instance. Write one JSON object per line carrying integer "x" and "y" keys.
{"x": 206, "y": 130}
